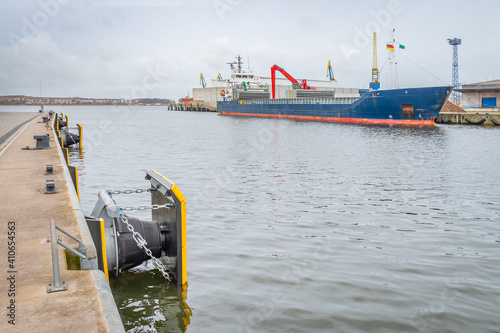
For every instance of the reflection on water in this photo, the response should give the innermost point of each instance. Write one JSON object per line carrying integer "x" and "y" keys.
{"x": 147, "y": 303}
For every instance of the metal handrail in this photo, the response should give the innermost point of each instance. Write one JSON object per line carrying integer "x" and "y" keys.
{"x": 58, "y": 285}
{"x": 83, "y": 251}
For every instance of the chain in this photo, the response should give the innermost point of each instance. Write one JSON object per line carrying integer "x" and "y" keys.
{"x": 144, "y": 207}
{"x": 132, "y": 191}
{"x": 141, "y": 243}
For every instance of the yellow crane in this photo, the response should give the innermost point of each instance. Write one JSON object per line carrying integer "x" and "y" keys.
{"x": 202, "y": 81}
{"x": 329, "y": 71}
{"x": 375, "y": 85}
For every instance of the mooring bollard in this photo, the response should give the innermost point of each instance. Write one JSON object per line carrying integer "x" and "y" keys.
{"x": 42, "y": 142}
{"x": 49, "y": 169}
{"x": 50, "y": 187}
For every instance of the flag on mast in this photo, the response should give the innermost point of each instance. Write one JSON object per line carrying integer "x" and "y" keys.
{"x": 390, "y": 47}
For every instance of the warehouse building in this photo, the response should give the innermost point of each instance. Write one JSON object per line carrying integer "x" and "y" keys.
{"x": 480, "y": 95}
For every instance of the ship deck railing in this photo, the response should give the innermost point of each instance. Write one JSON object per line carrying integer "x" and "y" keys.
{"x": 318, "y": 100}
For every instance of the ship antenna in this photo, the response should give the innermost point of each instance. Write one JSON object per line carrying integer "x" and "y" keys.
{"x": 392, "y": 57}
{"x": 239, "y": 62}
{"x": 231, "y": 66}
{"x": 248, "y": 62}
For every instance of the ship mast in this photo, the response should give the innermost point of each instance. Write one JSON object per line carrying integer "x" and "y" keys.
{"x": 392, "y": 58}
{"x": 238, "y": 64}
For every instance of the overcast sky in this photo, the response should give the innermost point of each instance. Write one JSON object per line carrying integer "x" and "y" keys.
{"x": 158, "y": 48}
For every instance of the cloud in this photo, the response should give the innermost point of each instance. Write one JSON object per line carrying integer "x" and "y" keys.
{"x": 36, "y": 58}
{"x": 115, "y": 49}
{"x": 103, "y": 74}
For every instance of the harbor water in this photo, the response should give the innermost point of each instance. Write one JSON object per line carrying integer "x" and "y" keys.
{"x": 296, "y": 226}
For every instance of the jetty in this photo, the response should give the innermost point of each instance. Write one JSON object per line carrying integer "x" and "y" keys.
{"x": 27, "y": 294}
{"x": 199, "y": 106}
{"x": 453, "y": 114}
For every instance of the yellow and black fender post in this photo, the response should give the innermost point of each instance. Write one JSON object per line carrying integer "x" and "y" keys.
{"x": 119, "y": 235}
{"x": 80, "y": 136}
{"x": 166, "y": 192}
{"x": 96, "y": 227}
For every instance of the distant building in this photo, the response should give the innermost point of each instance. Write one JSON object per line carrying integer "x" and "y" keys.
{"x": 29, "y": 100}
{"x": 209, "y": 95}
{"x": 61, "y": 100}
{"x": 481, "y": 94}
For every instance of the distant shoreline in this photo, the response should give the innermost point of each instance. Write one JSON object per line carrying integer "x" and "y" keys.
{"x": 140, "y": 104}
{"x": 62, "y": 101}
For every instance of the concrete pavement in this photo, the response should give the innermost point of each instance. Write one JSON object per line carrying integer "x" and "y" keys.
{"x": 12, "y": 122}
{"x": 25, "y": 265}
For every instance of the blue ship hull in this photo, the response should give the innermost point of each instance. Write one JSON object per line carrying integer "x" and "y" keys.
{"x": 397, "y": 106}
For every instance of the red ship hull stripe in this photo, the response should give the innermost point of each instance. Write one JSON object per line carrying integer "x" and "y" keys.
{"x": 337, "y": 119}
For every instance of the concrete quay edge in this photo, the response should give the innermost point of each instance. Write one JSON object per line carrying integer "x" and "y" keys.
{"x": 104, "y": 293}
{"x": 88, "y": 304}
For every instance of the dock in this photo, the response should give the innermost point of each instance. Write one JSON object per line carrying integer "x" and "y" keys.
{"x": 192, "y": 107}
{"x": 25, "y": 216}
{"x": 476, "y": 117}
{"x": 453, "y": 114}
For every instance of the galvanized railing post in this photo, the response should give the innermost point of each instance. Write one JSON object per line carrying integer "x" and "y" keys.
{"x": 57, "y": 285}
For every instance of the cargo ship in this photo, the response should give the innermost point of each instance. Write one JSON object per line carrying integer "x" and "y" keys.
{"x": 411, "y": 106}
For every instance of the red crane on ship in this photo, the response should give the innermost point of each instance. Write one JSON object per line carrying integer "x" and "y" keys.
{"x": 302, "y": 85}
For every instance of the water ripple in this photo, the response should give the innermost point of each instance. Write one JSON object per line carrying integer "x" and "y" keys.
{"x": 301, "y": 226}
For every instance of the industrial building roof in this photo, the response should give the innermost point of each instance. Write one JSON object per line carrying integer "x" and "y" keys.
{"x": 493, "y": 85}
